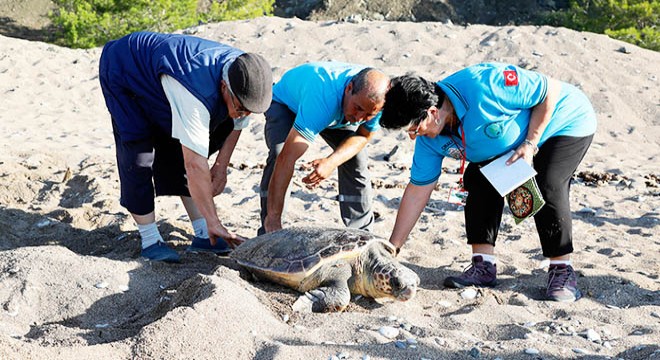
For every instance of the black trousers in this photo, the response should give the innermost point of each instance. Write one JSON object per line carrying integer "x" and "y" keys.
{"x": 555, "y": 164}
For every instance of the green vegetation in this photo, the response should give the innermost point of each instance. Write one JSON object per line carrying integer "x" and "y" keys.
{"x": 90, "y": 23}
{"x": 633, "y": 21}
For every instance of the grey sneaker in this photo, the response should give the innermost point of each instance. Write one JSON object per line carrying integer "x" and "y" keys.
{"x": 479, "y": 273}
{"x": 562, "y": 284}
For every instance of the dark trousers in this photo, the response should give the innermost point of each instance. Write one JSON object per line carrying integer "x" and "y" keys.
{"x": 555, "y": 164}
{"x": 154, "y": 166}
{"x": 355, "y": 193}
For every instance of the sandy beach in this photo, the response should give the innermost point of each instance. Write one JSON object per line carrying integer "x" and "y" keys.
{"x": 73, "y": 285}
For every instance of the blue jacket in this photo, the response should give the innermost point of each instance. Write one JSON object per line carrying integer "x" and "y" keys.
{"x": 130, "y": 70}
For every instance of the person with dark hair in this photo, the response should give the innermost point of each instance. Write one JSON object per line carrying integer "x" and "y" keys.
{"x": 478, "y": 114}
{"x": 339, "y": 102}
{"x": 175, "y": 100}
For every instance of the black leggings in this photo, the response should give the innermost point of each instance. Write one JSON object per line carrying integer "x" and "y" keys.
{"x": 555, "y": 164}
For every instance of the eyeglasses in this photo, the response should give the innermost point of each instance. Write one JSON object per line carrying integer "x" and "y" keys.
{"x": 238, "y": 108}
{"x": 413, "y": 129}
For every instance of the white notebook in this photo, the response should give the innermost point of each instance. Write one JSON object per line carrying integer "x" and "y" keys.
{"x": 506, "y": 178}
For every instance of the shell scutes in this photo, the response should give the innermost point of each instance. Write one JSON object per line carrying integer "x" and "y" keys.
{"x": 299, "y": 250}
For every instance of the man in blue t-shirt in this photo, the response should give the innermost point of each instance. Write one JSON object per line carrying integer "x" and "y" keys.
{"x": 174, "y": 101}
{"x": 478, "y": 114}
{"x": 340, "y": 103}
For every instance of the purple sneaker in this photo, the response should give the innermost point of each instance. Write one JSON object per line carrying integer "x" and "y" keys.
{"x": 480, "y": 273}
{"x": 562, "y": 284}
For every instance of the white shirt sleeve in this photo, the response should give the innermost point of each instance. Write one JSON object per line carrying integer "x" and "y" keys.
{"x": 190, "y": 118}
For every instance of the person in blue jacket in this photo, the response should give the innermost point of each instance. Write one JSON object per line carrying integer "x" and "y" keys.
{"x": 340, "y": 103}
{"x": 175, "y": 100}
{"x": 478, "y": 114}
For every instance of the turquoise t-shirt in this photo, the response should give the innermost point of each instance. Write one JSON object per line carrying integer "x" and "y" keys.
{"x": 314, "y": 92}
{"x": 494, "y": 103}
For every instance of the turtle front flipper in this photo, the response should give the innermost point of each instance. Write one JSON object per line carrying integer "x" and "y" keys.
{"x": 330, "y": 298}
{"x": 327, "y": 288}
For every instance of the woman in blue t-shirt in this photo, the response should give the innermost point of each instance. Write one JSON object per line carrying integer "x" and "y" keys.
{"x": 478, "y": 114}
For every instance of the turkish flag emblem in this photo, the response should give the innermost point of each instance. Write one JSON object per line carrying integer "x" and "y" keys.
{"x": 510, "y": 78}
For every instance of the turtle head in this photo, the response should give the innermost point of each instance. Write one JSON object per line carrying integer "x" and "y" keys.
{"x": 396, "y": 281}
{"x": 388, "y": 278}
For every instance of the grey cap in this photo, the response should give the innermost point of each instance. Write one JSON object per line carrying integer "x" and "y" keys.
{"x": 251, "y": 81}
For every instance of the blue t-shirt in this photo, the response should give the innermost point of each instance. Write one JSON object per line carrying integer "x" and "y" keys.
{"x": 494, "y": 103}
{"x": 314, "y": 92}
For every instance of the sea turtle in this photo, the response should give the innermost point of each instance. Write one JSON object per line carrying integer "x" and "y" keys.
{"x": 328, "y": 264}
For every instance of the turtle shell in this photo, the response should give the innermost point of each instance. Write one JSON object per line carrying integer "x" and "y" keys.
{"x": 290, "y": 255}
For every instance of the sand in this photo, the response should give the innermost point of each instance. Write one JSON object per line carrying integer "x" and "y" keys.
{"x": 73, "y": 286}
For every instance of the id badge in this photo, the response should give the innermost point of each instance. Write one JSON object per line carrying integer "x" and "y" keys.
{"x": 457, "y": 195}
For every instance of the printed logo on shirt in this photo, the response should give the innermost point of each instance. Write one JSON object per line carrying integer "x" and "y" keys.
{"x": 450, "y": 149}
{"x": 510, "y": 78}
{"x": 455, "y": 153}
{"x": 494, "y": 130}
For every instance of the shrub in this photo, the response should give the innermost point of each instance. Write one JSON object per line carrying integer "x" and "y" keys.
{"x": 633, "y": 21}
{"x": 238, "y": 9}
{"x": 90, "y": 23}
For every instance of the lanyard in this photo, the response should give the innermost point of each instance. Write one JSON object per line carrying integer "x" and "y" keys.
{"x": 458, "y": 195}
{"x": 463, "y": 156}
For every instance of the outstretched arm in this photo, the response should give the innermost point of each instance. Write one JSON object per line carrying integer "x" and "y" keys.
{"x": 345, "y": 151}
{"x": 200, "y": 187}
{"x": 538, "y": 121}
{"x": 219, "y": 169}
{"x": 412, "y": 204}
{"x": 294, "y": 147}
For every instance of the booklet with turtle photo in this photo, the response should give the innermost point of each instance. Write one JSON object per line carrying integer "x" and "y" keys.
{"x": 525, "y": 200}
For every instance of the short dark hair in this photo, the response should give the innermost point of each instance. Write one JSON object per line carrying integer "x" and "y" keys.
{"x": 408, "y": 99}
